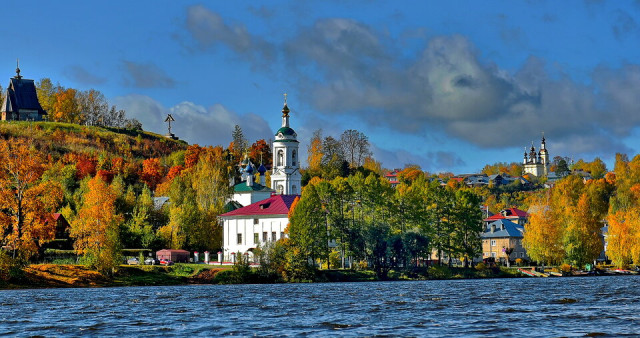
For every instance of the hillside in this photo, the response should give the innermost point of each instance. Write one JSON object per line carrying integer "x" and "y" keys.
{"x": 57, "y": 139}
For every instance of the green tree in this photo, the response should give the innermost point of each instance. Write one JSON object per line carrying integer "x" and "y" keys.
{"x": 467, "y": 225}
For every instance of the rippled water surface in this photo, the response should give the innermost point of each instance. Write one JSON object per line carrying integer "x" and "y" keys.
{"x": 597, "y": 306}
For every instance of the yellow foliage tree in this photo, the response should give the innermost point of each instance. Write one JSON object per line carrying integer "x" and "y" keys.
{"x": 96, "y": 228}
{"x": 543, "y": 234}
{"x": 621, "y": 237}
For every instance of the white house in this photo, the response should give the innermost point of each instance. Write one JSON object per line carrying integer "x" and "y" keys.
{"x": 249, "y": 227}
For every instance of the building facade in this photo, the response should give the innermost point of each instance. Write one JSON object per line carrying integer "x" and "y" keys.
{"x": 255, "y": 225}
{"x": 501, "y": 236}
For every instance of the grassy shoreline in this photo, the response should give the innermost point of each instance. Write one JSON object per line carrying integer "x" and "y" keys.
{"x": 72, "y": 276}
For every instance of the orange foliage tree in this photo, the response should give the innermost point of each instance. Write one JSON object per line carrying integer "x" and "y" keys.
{"x": 259, "y": 152}
{"x": 191, "y": 156}
{"x": 151, "y": 172}
{"x": 28, "y": 204}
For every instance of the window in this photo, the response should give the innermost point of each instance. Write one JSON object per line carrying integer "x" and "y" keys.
{"x": 264, "y": 236}
{"x": 239, "y": 238}
{"x": 493, "y": 254}
{"x": 256, "y": 238}
{"x": 255, "y": 221}
{"x": 280, "y": 159}
{"x": 273, "y": 236}
{"x": 522, "y": 255}
{"x": 293, "y": 189}
{"x": 280, "y": 189}
{"x": 493, "y": 242}
{"x": 281, "y": 234}
{"x": 293, "y": 158}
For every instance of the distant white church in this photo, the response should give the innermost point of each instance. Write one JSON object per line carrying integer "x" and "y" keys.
{"x": 537, "y": 163}
{"x": 262, "y": 213}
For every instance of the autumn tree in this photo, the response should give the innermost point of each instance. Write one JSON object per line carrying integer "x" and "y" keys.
{"x": 96, "y": 228}
{"x": 260, "y": 152}
{"x": 66, "y": 108}
{"x": 581, "y": 237}
{"x": 543, "y": 235}
{"x": 46, "y": 94}
{"x": 26, "y": 220}
{"x": 152, "y": 172}
{"x": 315, "y": 153}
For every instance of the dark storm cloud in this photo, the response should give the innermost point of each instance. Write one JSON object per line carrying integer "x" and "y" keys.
{"x": 81, "y": 75}
{"x": 343, "y": 66}
{"x": 146, "y": 75}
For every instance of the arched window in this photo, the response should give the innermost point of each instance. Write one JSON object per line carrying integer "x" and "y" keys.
{"x": 280, "y": 160}
{"x": 293, "y": 158}
{"x": 293, "y": 190}
{"x": 280, "y": 189}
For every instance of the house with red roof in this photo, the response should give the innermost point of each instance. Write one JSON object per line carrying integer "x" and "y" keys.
{"x": 392, "y": 177}
{"x": 255, "y": 225}
{"x": 514, "y": 215}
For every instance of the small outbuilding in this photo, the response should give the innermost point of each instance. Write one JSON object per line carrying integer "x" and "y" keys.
{"x": 176, "y": 256}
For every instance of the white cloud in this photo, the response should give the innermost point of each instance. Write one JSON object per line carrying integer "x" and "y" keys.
{"x": 194, "y": 123}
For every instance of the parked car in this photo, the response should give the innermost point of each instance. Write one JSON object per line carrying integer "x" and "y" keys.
{"x": 133, "y": 261}
{"x": 166, "y": 262}
{"x": 151, "y": 261}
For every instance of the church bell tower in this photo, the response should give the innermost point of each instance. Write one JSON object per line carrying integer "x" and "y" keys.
{"x": 286, "y": 177}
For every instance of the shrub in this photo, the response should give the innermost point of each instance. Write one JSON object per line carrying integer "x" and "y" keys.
{"x": 481, "y": 266}
{"x": 519, "y": 261}
{"x": 9, "y": 268}
{"x": 565, "y": 268}
{"x": 439, "y": 272}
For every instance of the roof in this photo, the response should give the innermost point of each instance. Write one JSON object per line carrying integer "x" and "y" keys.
{"x": 274, "y": 205}
{"x": 231, "y": 205}
{"x": 494, "y": 217}
{"x": 509, "y": 213}
{"x": 21, "y": 94}
{"x": 515, "y": 212}
{"x": 243, "y": 187}
{"x": 504, "y": 228}
{"x": 285, "y": 131}
{"x": 159, "y": 202}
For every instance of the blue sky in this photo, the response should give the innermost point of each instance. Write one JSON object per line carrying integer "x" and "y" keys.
{"x": 450, "y": 85}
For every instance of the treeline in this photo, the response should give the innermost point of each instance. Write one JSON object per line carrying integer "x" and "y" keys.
{"x": 84, "y": 107}
{"x": 364, "y": 220}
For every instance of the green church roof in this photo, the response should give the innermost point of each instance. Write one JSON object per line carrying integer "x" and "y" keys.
{"x": 285, "y": 131}
{"x": 242, "y": 187}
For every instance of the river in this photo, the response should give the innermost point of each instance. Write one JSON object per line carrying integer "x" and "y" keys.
{"x": 608, "y": 306}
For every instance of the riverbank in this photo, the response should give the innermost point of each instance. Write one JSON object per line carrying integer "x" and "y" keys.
{"x": 66, "y": 275}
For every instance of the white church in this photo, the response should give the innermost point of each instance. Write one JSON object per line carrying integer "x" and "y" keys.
{"x": 262, "y": 213}
{"x": 537, "y": 163}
